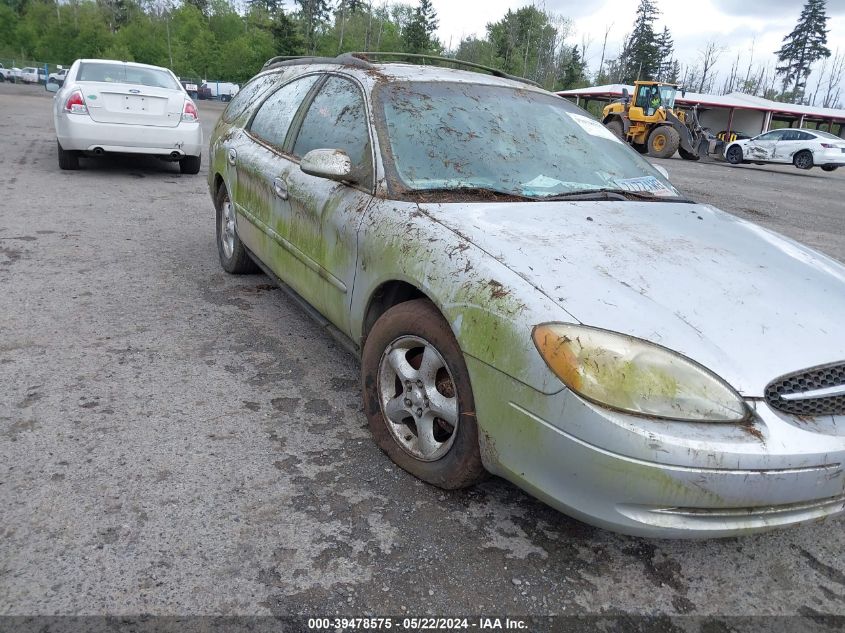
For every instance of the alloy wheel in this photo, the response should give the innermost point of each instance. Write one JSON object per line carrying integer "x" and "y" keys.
{"x": 227, "y": 227}
{"x": 418, "y": 398}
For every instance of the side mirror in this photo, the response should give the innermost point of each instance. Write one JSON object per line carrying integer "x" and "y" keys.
{"x": 662, "y": 171}
{"x": 52, "y": 86}
{"x": 333, "y": 164}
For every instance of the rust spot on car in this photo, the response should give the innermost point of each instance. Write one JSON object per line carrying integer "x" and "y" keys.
{"x": 497, "y": 291}
{"x": 753, "y": 431}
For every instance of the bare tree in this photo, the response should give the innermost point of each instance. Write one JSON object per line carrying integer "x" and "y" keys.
{"x": 603, "y": 49}
{"x": 750, "y": 61}
{"x": 833, "y": 86}
{"x": 709, "y": 56}
{"x": 728, "y": 86}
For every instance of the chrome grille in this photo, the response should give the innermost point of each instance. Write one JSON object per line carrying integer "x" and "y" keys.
{"x": 811, "y": 392}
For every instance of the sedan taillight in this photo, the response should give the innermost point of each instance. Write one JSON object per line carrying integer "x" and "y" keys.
{"x": 75, "y": 103}
{"x": 829, "y": 146}
{"x": 189, "y": 112}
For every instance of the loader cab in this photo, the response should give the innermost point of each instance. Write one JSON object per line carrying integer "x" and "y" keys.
{"x": 651, "y": 95}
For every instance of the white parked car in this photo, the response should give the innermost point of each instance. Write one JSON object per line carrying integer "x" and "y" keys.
{"x": 58, "y": 77}
{"x": 6, "y": 74}
{"x": 803, "y": 148}
{"x": 31, "y": 75}
{"x": 109, "y": 106}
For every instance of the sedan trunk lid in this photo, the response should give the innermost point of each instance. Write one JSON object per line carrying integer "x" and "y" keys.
{"x": 133, "y": 104}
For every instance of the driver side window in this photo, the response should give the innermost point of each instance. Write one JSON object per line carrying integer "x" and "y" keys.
{"x": 337, "y": 119}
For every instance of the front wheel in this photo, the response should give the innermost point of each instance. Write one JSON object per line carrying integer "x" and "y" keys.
{"x": 190, "y": 164}
{"x": 615, "y": 126}
{"x": 803, "y": 160}
{"x": 830, "y": 167}
{"x": 418, "y": 398}
{"x": 663, "y": 142}
{"x": 734, "y": 155}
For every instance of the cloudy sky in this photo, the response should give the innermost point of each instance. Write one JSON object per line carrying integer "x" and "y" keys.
{"x": 733, "y": 24}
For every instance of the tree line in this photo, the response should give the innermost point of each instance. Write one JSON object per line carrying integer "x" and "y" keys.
{"x": 648, "y": 53}
{"x": 229, "y": 41}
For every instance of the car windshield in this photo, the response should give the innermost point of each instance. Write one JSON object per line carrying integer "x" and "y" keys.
{"x": 125, "y": 74}
{"x": 667, "y": 96}
{"x": 510, "y": 140}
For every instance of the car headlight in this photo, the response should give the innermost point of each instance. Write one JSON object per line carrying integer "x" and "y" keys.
{"x": 635, "y": 376}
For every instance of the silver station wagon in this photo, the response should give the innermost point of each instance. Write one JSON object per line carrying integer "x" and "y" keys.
{"x": 532, "y": 299}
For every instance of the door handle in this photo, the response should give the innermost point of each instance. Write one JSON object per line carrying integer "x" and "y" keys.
{"x": 280, "y": 188}
{"x": 232, "y": 156}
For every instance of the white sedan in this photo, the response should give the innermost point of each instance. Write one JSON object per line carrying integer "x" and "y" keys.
{"x": 109, "y": 106}
{"x": 803, "y": 148}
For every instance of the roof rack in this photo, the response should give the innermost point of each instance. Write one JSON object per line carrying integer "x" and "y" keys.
{"x": 297, "y": 60}
{"x": 362, "y": 59}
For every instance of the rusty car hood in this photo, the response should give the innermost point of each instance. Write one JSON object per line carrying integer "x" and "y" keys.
{"x": 743, "y": 301}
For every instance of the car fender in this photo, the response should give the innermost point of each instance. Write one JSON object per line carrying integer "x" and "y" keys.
{"x": 490, "y": 309}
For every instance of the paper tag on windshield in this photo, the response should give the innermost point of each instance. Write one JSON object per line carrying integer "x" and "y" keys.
{"x": 543, "y": 182}
{"x": 648, "y": 184}
{"x": 593, "y": 127}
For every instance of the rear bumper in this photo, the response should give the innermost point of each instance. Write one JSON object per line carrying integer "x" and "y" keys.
{"x": 80, "y": 133}
{"x": 829, "y": 157}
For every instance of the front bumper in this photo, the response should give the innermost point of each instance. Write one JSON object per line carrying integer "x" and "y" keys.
{"x": 80, "y": 132}
{"x": 657, "y": 478}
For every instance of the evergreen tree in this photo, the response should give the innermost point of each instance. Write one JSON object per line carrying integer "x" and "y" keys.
{"x": 573, "y": 69}
{"x": 640, "y": 58}
{"x": 673, "y": 75}
{"x": 313, "y": 14}
{"x": 666, "y": 46}
{"x": 419, "y": 34}
{"x": 805, "y": 45}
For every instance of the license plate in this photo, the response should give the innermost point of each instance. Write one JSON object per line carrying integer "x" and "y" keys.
{"x": 136, "y": 104}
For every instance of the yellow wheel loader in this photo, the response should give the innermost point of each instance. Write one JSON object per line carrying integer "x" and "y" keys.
{"x": 652, "y": 125}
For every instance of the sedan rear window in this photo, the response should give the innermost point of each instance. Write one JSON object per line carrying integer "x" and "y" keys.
{"x": 515, "y": 141}
{"x": 125, "y": 74}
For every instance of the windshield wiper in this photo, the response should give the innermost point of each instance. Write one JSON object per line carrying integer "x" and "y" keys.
{"x": 611, "y": 194}
{"x": 488, "y": 193}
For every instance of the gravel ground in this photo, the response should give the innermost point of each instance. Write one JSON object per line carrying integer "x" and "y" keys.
{"x": 174, "y": 440}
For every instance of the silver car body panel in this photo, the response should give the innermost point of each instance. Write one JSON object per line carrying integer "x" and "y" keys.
{"x": 744, "y": 302}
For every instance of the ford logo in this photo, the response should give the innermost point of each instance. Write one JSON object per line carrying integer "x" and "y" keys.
{"x": 134, "y": 91}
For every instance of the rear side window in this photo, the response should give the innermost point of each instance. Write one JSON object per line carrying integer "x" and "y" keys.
{"x": 125, "y": 74}
{"x": 274, "y": 117}
{"x": 248, "y": 95}
{"x": 337, "y": 119}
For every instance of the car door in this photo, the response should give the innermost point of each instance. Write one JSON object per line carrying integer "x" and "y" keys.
{"x": 260, "y": 161}
{"x": 763, "y": 147}
{"x": 325, "y": 214}
{"x": 787, "y": 145}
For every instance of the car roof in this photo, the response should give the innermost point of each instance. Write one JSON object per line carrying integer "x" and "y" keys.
{"x": 378, "y": 73}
